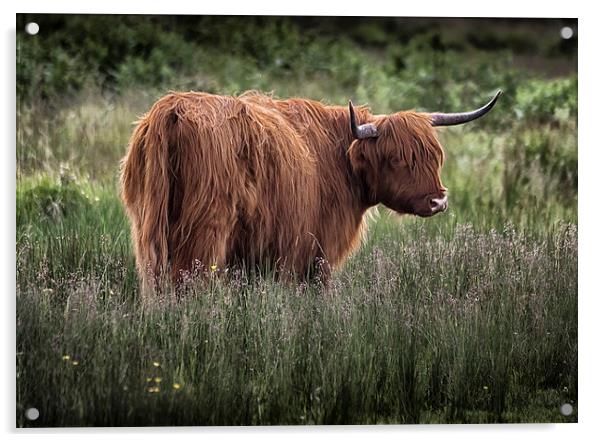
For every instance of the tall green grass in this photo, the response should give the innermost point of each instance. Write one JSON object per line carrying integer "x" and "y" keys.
{"x": 431, "y": 321}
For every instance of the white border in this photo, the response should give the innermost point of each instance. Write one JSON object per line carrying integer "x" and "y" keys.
{"x": 441, "y": 8}
{"x": 589, "y": 212}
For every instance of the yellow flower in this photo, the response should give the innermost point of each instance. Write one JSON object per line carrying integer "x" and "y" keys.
{"x": 176, "y": 386}
{"x": 153, "y": 390}
{"x": 66, "y": 357}
{"x": 214, "y": 267}
{"x": 149, "y": 379}
{"x": 156, "y": 364}
{"x": 75, "y": 362}
{"x": 158, "y": 379}
{"x": 485, "y": 387}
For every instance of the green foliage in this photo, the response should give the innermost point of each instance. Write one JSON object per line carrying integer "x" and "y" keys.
{"x": 548, "y": 101}
{"x": 116, "y": 52}
{"x": 50, "y": 199}
{"x": 73, "y": 51}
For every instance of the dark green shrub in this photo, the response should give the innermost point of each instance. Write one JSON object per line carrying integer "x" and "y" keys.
{"x": 548, "y": 101}
{"x": 50, "y": 199}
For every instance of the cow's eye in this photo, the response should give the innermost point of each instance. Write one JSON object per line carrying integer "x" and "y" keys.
{"x": 396, "y": 161}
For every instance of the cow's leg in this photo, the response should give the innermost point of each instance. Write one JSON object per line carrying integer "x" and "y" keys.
{"x": 203, "y": 251}
{"x": 315, "y": 269}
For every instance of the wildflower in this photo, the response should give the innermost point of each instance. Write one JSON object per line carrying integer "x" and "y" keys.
{"x": 485, "y": 387}
{"x": 66, "y": 357}
{"x": 176, "y": 386}
{"x": 214, "y": 267}
{"x": 149, "y": 379}
{"x": 153, "y": 390}
{"x": 96, "y": 199}
{"x": 156, "y": 364}
{"x": 158, "y": 379}
{"x": 75, "y": 362}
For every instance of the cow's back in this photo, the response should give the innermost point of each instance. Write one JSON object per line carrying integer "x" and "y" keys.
{"x": 240, "y": 169}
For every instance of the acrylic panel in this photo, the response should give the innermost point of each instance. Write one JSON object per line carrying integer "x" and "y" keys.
{"x": 248, "y": 220}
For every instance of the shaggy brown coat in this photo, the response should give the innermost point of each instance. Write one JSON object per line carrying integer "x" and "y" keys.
{"x": 250, "y": 180}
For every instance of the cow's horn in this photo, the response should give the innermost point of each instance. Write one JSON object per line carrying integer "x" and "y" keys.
{"x": 367, "y": 130}
{"x": 439, "y": 119}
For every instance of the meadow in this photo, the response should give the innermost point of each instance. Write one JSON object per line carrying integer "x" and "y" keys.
{"x": 467, "y": 317}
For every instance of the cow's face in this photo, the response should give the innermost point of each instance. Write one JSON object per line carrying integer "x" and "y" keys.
{"x": 401, "y": 167}
{"x": 398, "y": 159}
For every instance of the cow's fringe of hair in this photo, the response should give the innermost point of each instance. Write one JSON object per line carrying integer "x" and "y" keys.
{"x": 247, "y": 180}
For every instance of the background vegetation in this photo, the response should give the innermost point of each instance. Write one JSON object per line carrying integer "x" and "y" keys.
{"x": 467, "y": 317}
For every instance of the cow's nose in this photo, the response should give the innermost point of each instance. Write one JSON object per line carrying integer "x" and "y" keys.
{"x": 439, "y": 204}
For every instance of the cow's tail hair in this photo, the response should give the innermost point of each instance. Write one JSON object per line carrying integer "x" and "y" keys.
{"x": 145, "y": 189}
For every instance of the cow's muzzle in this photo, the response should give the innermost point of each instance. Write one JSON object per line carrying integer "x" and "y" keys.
{"x": 438, "y": 204}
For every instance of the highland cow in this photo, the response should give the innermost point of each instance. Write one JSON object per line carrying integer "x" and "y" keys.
{"x": 212, "y": 182}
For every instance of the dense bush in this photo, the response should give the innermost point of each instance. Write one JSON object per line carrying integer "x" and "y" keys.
{"x": 115, "y": 51}
{"x": 547, "y": 101}
{"x": 50, "y": 199}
